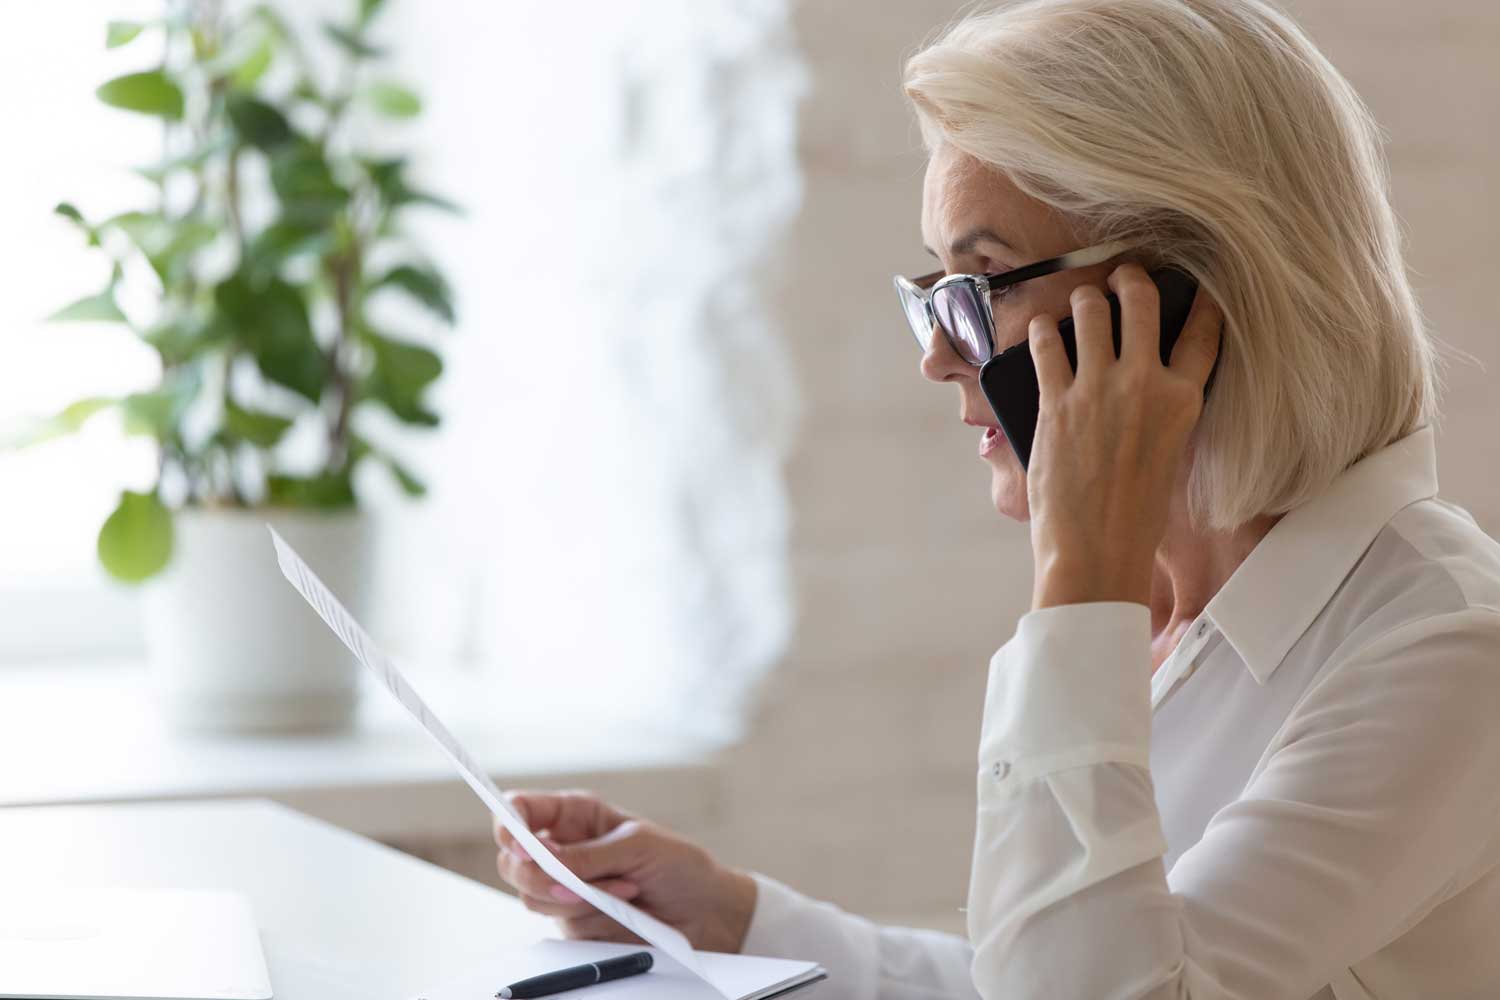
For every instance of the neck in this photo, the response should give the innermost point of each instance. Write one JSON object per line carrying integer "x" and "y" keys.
{"x": 1192, "y": 565}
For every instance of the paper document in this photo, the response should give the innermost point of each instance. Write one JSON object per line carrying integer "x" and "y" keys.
{"x": 738, "y": 976}
{"x": 668, "y": 939}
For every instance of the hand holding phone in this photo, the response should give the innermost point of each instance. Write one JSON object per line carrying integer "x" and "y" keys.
{"x": 1009, "y": 378}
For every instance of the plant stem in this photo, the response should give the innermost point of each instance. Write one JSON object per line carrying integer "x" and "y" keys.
{"x": 344, "y": 270}
{"x": 240, "y": 499}
{"x": 232, "y": 195}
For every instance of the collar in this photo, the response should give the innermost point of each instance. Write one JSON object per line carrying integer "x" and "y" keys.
{"x": 1289, "y": 577}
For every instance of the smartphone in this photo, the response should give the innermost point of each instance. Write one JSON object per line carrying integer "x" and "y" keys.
{"x": 1009, "y": 378}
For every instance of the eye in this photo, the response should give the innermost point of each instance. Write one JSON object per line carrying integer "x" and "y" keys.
{"x": 1000, "y": 293}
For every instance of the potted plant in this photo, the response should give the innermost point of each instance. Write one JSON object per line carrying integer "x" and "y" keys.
{"x": 271, "y": 240}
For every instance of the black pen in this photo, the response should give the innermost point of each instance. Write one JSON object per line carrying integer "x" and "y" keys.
{"x": 578, "y": 976}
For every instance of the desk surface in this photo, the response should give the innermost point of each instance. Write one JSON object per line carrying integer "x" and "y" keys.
{"x": 340, "y": 917}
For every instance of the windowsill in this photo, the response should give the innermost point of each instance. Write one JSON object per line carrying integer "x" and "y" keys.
{"x": 91, "y": 733}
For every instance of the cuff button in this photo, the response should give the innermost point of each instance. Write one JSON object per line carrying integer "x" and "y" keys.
{"x": 1001, "y": 769}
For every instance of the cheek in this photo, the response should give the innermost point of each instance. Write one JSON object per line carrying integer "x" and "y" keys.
{"x": 1011, "y": 325}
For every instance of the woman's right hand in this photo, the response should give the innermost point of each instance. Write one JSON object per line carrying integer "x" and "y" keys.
{"x": 669, "y": 877}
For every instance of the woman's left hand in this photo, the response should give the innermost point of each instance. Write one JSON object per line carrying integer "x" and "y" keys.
{"x": 1110, "y": 438}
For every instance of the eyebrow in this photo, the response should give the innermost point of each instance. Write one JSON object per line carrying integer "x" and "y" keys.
{"x": 966, "y": 243}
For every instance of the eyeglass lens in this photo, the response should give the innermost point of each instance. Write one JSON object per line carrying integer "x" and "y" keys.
{"x": 959, "y": 312}
{"x": 917, "y": 316}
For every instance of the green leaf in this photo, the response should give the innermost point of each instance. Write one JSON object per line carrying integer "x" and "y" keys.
{"x": 248, "y": 73}
{"x": 70, "y": 212}
{"x": 152, "y": 93}
{"x": 100, "y": 308}
{"x": 67, "y": 210}
{"x": 400, "y": 376}
{"x": 119, "y": 33}
{"x": 411, "y": 196}
{"x": 184, "y": 338}
{"x": 360, "y": 449}
{"x": 307, "y": 89}
{"x": 410, "y": 484}
{"x": 157, "y": 172}
{"x": 368, "y": 9}
{"x": 136, "y": 540}
{"x": 163, "y": 241}
{"x": 389, "y": 177}
{"x": 187, "y": 236}
{"x": 260, "y": 429}
{"x": 68, "y": 420}
{"x": 306, "y": 186}
{"x": 393, "y": 100}
{"x": 351, "y": 42}
{"x": 160, "y": 412}
{"x": 141, "y": 227}
{"x": 258, "y": 123}
{"x": 271, "y": 320}
{"x": 423, "y": 284}
{"x": 277, "y": 25}
{"x": 72, "y": 417}
{"x": 328, "y": 491}
{"x": 386, "y": 174}
{"x": 283, "y": 240}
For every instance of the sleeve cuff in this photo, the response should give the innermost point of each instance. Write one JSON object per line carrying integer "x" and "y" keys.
{"x": 773, "y": 927}
{"x": 1071, "y": 688}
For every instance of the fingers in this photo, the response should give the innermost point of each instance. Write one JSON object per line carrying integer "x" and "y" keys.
{"x": 1053, "y": 374}
{"x": 522, "y": 873}
{"x": 1198, "y": 346}
{"x": 1093, "y": 331}
{"x": 1140, "y": 311}
{"x": 603, "y": 861}
{"x": 618, "y": 852}
{"x": 561, "y": 903}
{"x": 543, "y": 895}
{"x": 568, "y": 815}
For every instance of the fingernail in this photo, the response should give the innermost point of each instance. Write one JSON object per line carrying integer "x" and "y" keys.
{"x": 563, "y": 894}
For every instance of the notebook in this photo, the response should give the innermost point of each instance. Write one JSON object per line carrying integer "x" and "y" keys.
{"x": 741, "y": 977}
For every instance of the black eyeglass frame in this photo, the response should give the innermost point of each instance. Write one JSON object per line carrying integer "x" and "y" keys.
{"x": 981, "y": 287}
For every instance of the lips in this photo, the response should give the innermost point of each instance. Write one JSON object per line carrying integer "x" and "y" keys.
{"x": 992, "y": 438}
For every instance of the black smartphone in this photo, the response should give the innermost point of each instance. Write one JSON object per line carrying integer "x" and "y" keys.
{"x": 1009, "y": 378}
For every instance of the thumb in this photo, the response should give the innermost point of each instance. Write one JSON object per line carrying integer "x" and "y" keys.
{"x": 617, "y": 853}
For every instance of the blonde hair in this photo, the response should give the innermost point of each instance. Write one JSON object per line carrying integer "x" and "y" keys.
{"x": 1216, "y": 137}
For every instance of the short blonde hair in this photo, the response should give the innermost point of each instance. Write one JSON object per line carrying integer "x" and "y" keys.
{"x": 1215, "y": 136}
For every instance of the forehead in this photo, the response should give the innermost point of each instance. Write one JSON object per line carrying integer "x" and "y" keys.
{"x": 960, "y": 192}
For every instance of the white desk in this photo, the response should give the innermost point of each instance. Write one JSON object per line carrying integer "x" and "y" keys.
{"x": 340, "y": 917}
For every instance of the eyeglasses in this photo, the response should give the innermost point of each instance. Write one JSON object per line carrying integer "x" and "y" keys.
{"x": 961, "y": 304}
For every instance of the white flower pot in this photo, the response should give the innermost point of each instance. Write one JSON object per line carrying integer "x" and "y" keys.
{"x": 232, "y": 647}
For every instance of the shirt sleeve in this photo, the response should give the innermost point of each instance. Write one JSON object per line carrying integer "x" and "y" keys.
{"x": 865, "y": 961}
{"x": 1377, "y": 792}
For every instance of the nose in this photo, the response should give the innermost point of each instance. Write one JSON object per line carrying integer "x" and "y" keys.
{"x": 940, "y": 363}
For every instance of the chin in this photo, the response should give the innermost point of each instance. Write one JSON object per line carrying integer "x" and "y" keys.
{"x": 1008, "y": 485}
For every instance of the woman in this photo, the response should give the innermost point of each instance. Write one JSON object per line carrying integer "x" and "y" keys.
{"x": 1247, "y": 741}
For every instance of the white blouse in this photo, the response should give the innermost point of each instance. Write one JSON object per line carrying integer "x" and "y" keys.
{"x": 1302, "y": 802}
